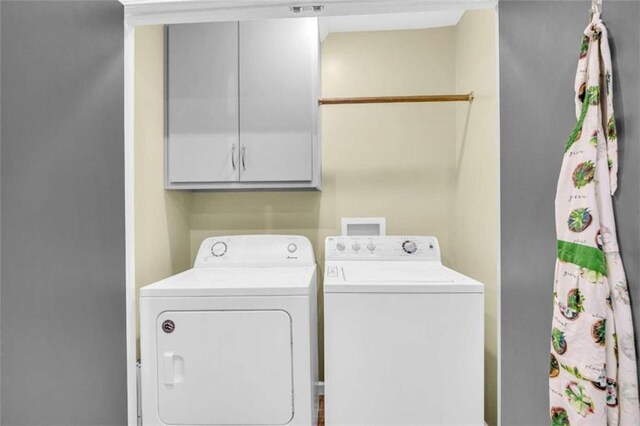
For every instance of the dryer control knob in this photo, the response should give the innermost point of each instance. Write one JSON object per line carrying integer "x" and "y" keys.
{"x": 409, "y": 247}
{"x": 340, "y": 246}
{"x": 218, "y": 249}
{"x": 291, "y": 248}
{"x": 356, "y": 246}
{"x": 371, "y": 246}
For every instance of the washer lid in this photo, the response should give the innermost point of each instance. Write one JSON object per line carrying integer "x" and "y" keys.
{"x": 385, "y": 272}
{"x": 396, "y": 277}
{"x": 234, "y": 282}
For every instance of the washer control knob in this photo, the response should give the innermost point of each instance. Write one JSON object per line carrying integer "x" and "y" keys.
{"x": 356, "y": 246}
{"x": 340, "y": 246}
{"x": 291, "y": 248}
{"x": 409, "y": 247}
{"x": 371, "y": 246}
{"x": 218, "y": 249}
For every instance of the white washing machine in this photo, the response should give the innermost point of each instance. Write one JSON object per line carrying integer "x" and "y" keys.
{"x": 403, "y": 335}
{"x": 233, "y": 340}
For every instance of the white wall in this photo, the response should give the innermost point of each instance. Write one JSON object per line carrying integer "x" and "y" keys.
{"x": 475, "y": 212}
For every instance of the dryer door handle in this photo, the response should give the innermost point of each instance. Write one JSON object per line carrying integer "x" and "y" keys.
{"x": 173, "y": 366}
{"x": 168, "y": 369}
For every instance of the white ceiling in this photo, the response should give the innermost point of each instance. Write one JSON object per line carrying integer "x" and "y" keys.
{"x": 386, "y": 22}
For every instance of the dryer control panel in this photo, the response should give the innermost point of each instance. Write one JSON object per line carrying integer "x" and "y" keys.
{"x": 382, "y": 248}
{"x": 255, "y": 251}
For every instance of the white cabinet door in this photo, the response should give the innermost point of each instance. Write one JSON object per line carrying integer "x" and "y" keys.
{"x": 278, "y": 99}
{"x": 225, "y": 368}
{"x": 202, "y": 103}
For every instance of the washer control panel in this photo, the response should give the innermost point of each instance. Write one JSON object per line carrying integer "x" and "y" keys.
{"x": 382, "y": 248}
{"x": 255, "y": 251}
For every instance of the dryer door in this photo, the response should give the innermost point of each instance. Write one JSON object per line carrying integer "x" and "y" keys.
{"x": 225, "y": 367}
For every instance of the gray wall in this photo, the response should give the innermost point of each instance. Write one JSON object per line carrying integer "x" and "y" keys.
{"x": 538, "y": 52}
{"x": 62, "y": 213}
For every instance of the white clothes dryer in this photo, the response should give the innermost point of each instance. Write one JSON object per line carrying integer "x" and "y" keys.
{"x": 233, "y": 340}
{"x": 404, "y": 338}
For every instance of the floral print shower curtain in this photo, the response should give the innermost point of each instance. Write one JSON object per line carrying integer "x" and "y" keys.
{"x": 592, "y": 378}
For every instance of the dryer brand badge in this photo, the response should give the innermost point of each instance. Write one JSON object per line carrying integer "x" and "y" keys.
{"x": 168, "y": 326}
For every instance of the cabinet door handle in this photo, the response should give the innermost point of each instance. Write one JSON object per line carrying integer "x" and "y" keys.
{"x": 244, "y": 150}
{"x": 233, "y": 156}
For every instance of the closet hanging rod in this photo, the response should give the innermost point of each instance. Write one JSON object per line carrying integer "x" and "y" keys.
{"x": 396, "y": 99}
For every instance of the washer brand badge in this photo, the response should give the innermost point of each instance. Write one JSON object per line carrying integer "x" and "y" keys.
{"x": 168, "y": 326}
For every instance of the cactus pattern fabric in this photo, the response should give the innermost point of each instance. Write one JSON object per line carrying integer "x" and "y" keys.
{"x": 592, "y": 375}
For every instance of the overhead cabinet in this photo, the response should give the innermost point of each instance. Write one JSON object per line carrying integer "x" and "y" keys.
{"x": 202, "y": 74}
{"x": 242, "y": 105}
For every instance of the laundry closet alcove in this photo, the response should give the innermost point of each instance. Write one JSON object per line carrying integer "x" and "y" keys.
{"x": 403, "y": 124}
